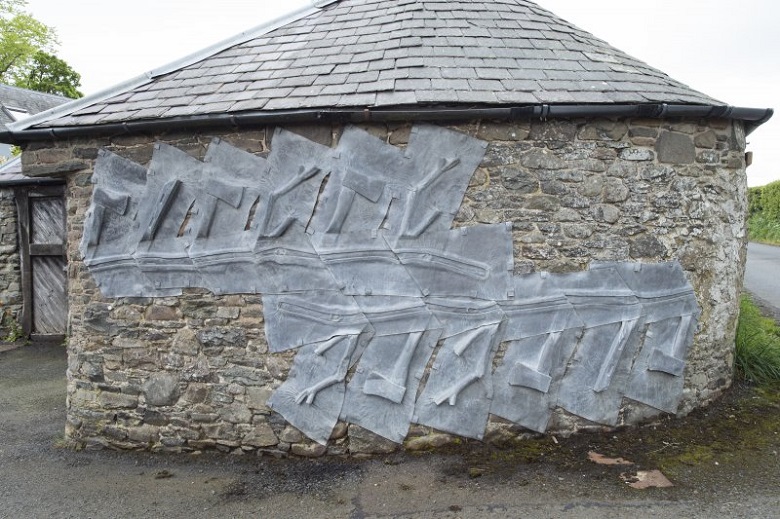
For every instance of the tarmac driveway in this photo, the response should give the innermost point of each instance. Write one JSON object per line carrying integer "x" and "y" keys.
{"x": 761, "y": 279}
{"x": 40, "y": 478}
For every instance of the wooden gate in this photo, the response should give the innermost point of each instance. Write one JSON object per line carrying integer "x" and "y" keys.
{"x": 42, "y": 238}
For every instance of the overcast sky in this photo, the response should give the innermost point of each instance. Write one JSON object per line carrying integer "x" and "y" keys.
{"x": 726, "y": 49}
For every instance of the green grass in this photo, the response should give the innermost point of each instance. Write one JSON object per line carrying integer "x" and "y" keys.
{"x": 764, "y": 229}
{"x": 757, "y": 345}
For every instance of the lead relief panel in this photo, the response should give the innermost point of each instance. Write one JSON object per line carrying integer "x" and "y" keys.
{"x": 396, "y": 317}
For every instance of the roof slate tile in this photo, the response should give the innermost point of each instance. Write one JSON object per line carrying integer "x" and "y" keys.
{"x": 346, "y": 88}
{"x": 357, "y": 100}
{"x": 307, "y": 91}
{"x": 245, "y": 67}
{"x": 86, "y": 119}
{"x": 177, "y": 111}
{"x": 249, "y": 104}
{"x": 351, "y": 68}
{"x": 395, "y": 74}
{"x": 477, "y": 96}
{"x": 434, "y": 96}
{"x": 332, "y": 79}
{"x": 207, "y": 88}
{"x": 395, "y": 98}
{"x": 413, "y": 84}
{"x": 386, "y": 85}
{"x": 521, "y": 85}
{"x": 151, "y": 113}
{"x": 546, "y": 96}
{"x": 630, "y": 97}
{"x": 450, "y": 84}
{"x": 259, "y": 84}
{"x": 459, "y": 73}
{"x": 424, "y": 73}
{"x": 296, "y": 80}
{"x": 493, "y": 73}
{"x": 517, "y": 97}
{"x": 485, "y": 84}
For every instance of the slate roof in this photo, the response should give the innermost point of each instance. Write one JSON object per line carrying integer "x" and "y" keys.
{"x": 11, "y": 171}
{"x": 383, "y": 53}
{"x": 11, "y": 174}
{"x": 13, "y": 99}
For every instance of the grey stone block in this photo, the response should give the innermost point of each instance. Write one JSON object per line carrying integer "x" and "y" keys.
{"x": 161, "y": 390}
{"x": 675, "y": 148}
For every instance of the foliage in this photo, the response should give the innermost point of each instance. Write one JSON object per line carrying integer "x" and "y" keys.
{"x": 754, "y": 200}
{"x": 757, "y": 345}
{"x": 21, "y": 37}
{"x": 50, "y": 74}
{"x": 14, "y": 332}
{"x": 26, "y": 58}
{"x": 764, "y": 213}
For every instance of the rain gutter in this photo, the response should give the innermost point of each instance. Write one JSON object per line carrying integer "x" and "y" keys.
{"x": 31, "y": 181}
{"x": 753, "y": 118}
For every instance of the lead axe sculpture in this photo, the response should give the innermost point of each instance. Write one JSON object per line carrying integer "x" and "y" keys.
{"x": 397, "y": 317}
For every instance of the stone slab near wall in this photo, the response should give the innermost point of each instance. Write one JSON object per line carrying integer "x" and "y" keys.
{"x": 194, "y": 371}
{"x": 10, "y": 273}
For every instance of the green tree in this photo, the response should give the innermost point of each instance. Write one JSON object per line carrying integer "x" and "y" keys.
{"x": 21, "y": 38}
{"x": 50, "y": 74}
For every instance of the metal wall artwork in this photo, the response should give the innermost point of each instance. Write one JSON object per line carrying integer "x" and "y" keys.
{"x": 397, "y": 318}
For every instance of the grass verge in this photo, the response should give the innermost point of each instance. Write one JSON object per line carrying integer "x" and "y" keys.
{"x": 757, "y": 345}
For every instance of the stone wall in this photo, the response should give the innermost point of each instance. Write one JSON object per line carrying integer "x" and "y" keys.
{"x": 10, "y": 273}
{"x": 194, "y": 372}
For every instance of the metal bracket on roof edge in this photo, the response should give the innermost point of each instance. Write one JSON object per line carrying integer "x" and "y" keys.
{"x": 320, "y": 4}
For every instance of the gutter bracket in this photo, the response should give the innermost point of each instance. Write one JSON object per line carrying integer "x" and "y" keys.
{"x": 545, "y": 112}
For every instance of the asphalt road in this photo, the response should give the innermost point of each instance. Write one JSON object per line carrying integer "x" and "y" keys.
{"x": 40, "y": 477}
{"x": 762, "y": 274}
